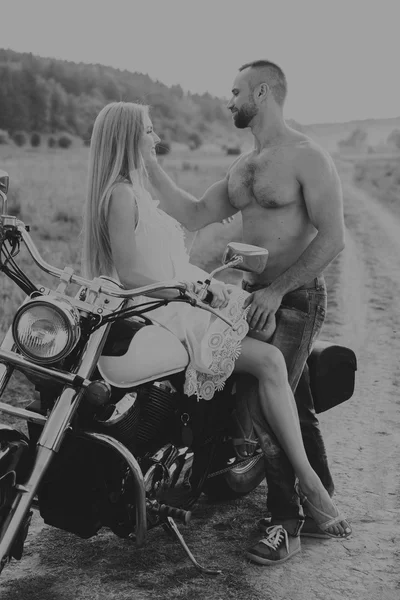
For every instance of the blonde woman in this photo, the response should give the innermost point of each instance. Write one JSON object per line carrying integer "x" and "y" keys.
{"x": 128, "y": 236}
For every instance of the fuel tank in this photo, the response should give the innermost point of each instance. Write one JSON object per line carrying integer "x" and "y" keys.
{"x": 141, "y": 354}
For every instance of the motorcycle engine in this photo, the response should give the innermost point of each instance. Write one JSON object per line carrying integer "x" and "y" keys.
{"x": 140, "y": 416}
{"x": 123, "y": 421}
{"x": 157, "y": 405}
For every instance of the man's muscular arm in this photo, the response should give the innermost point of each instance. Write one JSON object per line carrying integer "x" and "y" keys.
{"x": 214, "y": 206}
{"x": 322, "y": 194}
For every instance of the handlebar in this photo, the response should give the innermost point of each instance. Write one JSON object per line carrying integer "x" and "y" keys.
{"x": 103, "y": 289}
{"x": 60, "y": 273}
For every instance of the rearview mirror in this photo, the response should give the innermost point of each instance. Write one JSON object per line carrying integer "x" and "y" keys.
{"x": 253, "y": 258}
{"x": 4, "y": 179}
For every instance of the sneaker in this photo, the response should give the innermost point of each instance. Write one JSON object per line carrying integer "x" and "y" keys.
{"x": 277, "y": 547}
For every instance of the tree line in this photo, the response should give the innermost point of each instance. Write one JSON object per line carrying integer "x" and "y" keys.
{"x": 49, "y": 96}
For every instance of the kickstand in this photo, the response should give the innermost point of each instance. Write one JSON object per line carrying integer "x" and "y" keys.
{"x": 172, "y": 527}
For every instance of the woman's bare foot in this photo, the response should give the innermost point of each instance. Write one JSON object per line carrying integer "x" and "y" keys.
{"x": 318, "y": 504}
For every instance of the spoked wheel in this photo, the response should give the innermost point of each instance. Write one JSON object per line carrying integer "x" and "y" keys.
{"x": 238, "y": 481}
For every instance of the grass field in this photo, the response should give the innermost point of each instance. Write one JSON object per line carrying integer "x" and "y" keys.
{"x": 380, "y": 176}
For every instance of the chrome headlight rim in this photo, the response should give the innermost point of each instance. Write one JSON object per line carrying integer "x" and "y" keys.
{"x": 68, "y": 313}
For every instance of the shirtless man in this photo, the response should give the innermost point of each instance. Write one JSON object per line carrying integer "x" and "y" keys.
{"x": 289, "y": 194}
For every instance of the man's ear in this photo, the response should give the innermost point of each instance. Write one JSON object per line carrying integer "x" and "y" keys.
{"x": 262, "y": 91}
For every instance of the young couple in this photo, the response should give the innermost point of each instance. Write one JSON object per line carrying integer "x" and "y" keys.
{"x": 289, "y": 195}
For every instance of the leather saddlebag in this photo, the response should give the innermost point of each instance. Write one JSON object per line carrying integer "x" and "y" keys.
{"x": 332, "y": 374}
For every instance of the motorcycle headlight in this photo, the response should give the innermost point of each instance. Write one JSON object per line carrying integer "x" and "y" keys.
{"x": 46, "y": 330}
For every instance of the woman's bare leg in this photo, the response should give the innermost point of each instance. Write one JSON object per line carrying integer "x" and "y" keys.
{"x": 267, "y": 364}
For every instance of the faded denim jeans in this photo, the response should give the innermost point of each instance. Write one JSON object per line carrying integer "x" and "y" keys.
{"x": 298, "y": 323}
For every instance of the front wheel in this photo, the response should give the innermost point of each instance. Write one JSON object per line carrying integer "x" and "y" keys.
{"x": 238, "y": 481}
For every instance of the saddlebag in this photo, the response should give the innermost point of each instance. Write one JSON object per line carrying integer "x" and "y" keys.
{"x": 332, "y": 374}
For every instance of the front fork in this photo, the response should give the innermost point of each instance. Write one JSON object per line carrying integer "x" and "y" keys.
{"x": 48, "y": 445}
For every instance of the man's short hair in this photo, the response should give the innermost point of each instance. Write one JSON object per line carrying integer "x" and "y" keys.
{"x": 268, "y": 72}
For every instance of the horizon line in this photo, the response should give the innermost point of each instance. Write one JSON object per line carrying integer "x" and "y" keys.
{"x": 222, "y": 98}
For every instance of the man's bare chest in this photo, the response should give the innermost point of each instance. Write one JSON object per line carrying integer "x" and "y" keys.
{"x": 270, "y": 183}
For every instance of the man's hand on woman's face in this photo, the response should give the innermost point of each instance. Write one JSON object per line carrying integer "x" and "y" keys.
{"x": 150, "y": 159}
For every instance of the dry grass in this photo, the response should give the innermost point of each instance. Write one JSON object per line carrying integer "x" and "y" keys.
{"x": 380, "y": 176}
{"x": 46, "y": 186}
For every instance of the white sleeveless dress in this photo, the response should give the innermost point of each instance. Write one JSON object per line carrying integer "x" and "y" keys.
{"x": 212, "y": 345}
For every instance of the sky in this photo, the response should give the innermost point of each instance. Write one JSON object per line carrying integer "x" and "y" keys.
{"x": 341, "y": 57}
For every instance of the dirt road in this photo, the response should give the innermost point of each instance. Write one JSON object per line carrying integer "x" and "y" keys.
{"x": 363, "y": 442}
{"x": 363, "y": 435}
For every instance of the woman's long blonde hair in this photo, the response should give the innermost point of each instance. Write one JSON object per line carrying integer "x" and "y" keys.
{"x": 114, "y": 155}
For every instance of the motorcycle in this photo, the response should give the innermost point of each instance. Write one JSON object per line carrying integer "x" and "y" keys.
{"x": 112, "y": 440}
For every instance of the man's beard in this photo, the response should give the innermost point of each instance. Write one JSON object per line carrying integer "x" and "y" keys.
{"x": 243, "y": 117}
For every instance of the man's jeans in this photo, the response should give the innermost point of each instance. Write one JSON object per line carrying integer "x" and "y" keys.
{"x": 298, "y": 322}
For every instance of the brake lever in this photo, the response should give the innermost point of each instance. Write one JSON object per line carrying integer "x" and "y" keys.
{"x": 201, "y": 304}
{"x": 208, "y": 298}
{"x": 192, "y": 298}
{"x": 196, "y": 300}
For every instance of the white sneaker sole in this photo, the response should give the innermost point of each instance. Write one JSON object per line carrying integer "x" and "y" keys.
{"x": 266, "y": 561}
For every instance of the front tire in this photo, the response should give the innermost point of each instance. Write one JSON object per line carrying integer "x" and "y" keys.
{"x": 239, "y": 481}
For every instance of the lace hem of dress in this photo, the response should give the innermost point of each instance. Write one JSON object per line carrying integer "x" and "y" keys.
{"x": 225, "y": 346}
